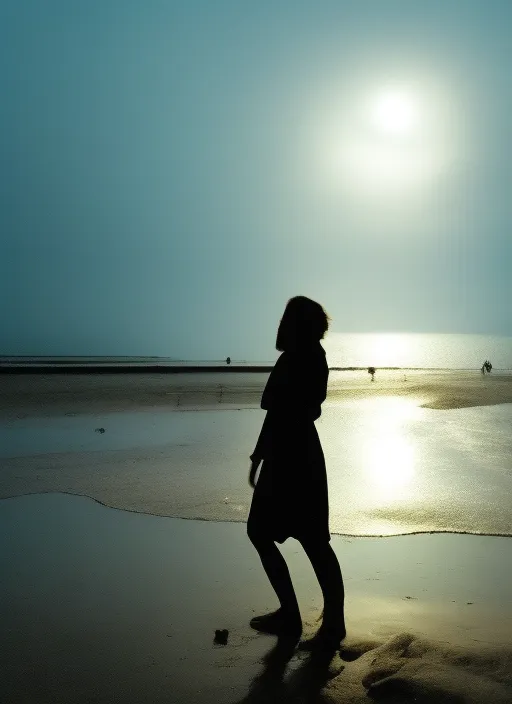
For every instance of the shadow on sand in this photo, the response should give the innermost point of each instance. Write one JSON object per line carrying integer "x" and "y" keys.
{"x": 302, "y": 683}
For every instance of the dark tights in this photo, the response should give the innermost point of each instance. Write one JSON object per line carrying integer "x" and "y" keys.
{"x": 325, "y": 565}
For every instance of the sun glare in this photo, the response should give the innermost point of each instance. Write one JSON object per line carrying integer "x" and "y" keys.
{"x": 394, "y": 112}
{"x": 384, "y": 141}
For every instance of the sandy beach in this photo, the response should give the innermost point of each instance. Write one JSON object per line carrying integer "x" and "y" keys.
{"x": 103, "y": 605}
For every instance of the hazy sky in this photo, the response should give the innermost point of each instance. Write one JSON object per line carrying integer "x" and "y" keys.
{"x": 172, "y": 172}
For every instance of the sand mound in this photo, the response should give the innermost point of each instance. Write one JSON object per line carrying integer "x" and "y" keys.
{"x": 407, "y": 668}
{"x": 404, "y": 669}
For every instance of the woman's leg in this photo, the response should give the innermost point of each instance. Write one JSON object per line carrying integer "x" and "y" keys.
{"x": 288, "y": 615}
{"x": 328, "y": 572}
{"x": 277, "y": 571}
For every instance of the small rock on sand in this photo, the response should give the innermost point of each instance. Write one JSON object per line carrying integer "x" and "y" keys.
{"x": 221, "y": 637}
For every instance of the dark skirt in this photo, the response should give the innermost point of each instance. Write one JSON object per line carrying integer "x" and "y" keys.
{"x": 291, "y": 498}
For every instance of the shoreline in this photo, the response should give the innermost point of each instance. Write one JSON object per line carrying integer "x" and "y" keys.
{"x": 143, "y": 368}
{"x": 192, "y": 368}
{"x": 393, "y": 467}
{"x": 227, "y": 521}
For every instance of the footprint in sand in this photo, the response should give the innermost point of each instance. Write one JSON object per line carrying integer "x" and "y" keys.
{"x": 352, "y": 650}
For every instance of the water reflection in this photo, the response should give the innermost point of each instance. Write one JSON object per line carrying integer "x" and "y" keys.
{"x": 392, "y": 467}
{"x": 378, "y": 349}
{"x": 382, "y": 454}
{"x": 389, "y": 465}
{"x": 416, "y": 350}
{"x": 388, "y": 455}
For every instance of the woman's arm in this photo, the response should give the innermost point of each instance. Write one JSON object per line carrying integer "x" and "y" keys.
{"x": 263, "y": 442}
{"x": 261, "y": 449}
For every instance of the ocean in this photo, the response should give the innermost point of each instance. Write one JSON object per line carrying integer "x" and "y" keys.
{"x": 403, "y": 350}
{"x": 417, "y": 350}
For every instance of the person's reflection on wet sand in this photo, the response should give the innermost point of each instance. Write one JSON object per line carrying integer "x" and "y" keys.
{"x": 290, "y": 498}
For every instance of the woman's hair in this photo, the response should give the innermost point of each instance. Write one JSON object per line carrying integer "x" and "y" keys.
{"x": 304, "y": 322}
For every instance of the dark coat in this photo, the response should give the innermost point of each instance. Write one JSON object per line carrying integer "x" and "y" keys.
{"x": 290, "y": 498}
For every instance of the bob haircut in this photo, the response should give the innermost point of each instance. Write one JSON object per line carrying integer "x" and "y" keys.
{"x": 303, "y": 324}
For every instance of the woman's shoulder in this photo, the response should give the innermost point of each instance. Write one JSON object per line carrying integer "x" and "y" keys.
{"x": 311, "y": 353}
{"x": 305, "y": 360}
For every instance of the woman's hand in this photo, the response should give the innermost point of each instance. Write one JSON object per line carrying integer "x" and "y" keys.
{"x": 255, "y": 463}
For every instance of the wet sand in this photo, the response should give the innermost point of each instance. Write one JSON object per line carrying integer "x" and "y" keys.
{"x": 100, "y": 605}
{"x": 392, "y": 467}
{"x": 23, "y": 395}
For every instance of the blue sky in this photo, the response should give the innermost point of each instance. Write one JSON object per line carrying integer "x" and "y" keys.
{"x": 171, "y": 173}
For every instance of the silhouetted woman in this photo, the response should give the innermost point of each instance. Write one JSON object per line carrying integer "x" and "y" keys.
{"x": 290, "y": 498}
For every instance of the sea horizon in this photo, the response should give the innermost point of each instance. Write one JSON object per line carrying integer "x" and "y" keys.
{"x": 345, "y": 351}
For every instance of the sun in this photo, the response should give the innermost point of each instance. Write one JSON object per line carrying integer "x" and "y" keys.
{"x": 393, "y": 111}
{"x": 383, "y": 139}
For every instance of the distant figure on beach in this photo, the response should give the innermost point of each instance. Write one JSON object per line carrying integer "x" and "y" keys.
{"x": 228, "y": 360}
{"x": 371, "y": 370}
{"x": 290, "y": 497}
{"x": 486, "y": 367}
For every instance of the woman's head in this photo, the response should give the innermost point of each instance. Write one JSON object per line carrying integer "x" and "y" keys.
{"x": 304, "y": 322}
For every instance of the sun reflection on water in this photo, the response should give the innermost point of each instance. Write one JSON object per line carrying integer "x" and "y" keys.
{"x": 388, "y": 456}
{"x": 389, "y": 465}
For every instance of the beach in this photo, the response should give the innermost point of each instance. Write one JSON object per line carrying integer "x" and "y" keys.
{"x": 178, "y": 446}
{"x": 50, "y": 394}
{"x": 101, "y": 605}
{"x": 118, "y": 598}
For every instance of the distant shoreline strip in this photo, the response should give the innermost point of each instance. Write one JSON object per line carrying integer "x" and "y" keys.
{"x": 78, "y": 368}
{"x": 145, "y": 368}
